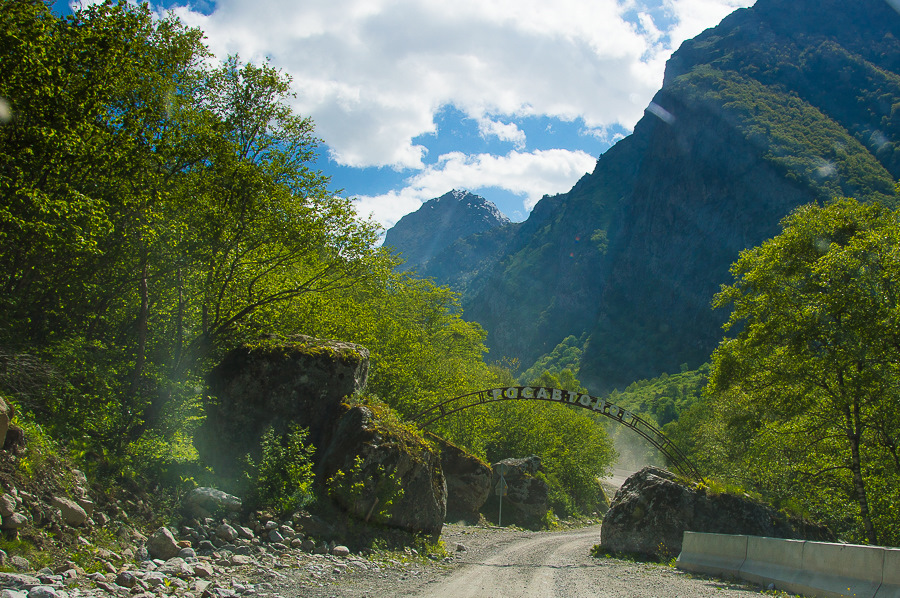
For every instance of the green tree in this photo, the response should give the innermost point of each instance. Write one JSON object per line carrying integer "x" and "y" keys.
{"x": 806, "y": 395}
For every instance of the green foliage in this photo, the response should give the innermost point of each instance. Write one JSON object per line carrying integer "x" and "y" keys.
{"x": 283, "y": 479}
{"x": 565, "y": 356}
{"x": 159, "y": 209}
{"x": 802, "y": 404}
{"x": 377, "y": 491}
{"x": 665, "y": 397}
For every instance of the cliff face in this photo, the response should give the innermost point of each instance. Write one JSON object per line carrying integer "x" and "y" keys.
{"x": 419, "y": 236}
{"x": 784, "y": 103}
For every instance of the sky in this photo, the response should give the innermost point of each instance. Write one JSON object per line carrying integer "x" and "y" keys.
{"x": 509, "y": 99}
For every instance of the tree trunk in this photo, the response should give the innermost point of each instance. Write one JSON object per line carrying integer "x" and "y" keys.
{"x": 854, "y": 433}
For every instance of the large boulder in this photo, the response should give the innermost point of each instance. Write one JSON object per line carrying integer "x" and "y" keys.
{"x": 653, "y": 509}
{"x": 468, "y": 481}
{"x": 276, "y": 382}
{"x": 526, "y": 501}
{"x": 372, "y": 461}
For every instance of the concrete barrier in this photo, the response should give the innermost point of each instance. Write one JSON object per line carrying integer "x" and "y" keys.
{"x": 770, "y": 559}
{"x": 837, "y": 570}
{"x": 718, "y": 554}
{"x": 890, "y": 577}
{"x": 809, "y": 568}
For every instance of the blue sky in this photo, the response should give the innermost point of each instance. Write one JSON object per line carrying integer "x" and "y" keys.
{"x": 510, "y": 99}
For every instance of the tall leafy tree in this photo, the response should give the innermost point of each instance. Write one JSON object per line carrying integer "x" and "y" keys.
{"x": 806, "y": 394}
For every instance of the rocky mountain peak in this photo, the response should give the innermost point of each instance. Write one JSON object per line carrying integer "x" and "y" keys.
{"x": 422, "y": 234}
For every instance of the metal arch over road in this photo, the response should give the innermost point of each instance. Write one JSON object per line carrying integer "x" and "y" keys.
{"x": 541, "y": 393}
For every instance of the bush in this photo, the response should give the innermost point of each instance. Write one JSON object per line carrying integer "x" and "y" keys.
{"x": 284, "y": 477}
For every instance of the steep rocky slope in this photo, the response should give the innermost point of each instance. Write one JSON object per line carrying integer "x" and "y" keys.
{"x": 784, "y": 103}
{"x": 420, "y": 235}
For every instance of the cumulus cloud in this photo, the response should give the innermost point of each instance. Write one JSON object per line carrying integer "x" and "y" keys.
{"x": 502, "y": 131}
{"x": 527, "y": 174}
{"x": 373, "y": 73}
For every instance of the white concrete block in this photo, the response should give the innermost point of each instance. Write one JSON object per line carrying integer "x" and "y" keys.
{"x": 838, "y": 571}
{"x": 714, "y": 554}
{"x": 772, "y": 560}
{"x": 890, "y": 580}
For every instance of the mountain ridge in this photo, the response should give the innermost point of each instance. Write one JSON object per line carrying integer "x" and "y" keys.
{"x": 438, "y": 223}
{"x": 782, "y": 104}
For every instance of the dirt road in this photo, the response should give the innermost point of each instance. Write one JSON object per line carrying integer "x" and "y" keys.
{"x": 559, "y": 564}
{"x": 499, "y": 563}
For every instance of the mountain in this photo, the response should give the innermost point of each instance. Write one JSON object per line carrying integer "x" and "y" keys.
{"x": 784, "y": 103}
{"x": 420, "y": 235}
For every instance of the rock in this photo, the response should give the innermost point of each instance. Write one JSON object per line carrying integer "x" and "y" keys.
{"x": 226, "y": 532}
{"x": 274, "y": 383}
{"x": 468, "y": 481}
{"x": 366, "y": 450}
{"x": 340, "y": 551}
{"x": 187, "y": 553}
{"x": 17, "y": 581}
{"x": 204, "y": 502}
{"x": 86, "y": 504}
{"x": 126, "y": 579}
{"x": 14, "y": 521}
{"x": 162, "y": 545}
{"x": 72, "y": 514}
{"x": 7, "y": 505}
{"x": 314, "y": 525}
{"x": 45, "y": 592}
{"x": 7, "y": 593}
{"x": 653, "y": 509}
{"x": 6, "y": 415}
{"x": 526, "y": 502}
{"x": 15, "y": 440}
{"x": 203, "y": 570}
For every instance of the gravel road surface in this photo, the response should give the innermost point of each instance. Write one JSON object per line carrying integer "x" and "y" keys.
{"x": 508, "y": 563}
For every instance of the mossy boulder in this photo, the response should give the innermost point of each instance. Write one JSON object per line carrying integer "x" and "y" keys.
{"x": 468, "y": 480}
{"x": 276, "y": 382}
{"x": 380, "y": 471}
{"x": 653, "y": 509}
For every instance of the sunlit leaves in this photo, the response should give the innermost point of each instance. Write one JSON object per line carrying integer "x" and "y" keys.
{"x": 804, "y": 398}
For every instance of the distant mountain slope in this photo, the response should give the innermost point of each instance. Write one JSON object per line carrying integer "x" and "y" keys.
{"x": 420, "y": 235}
{"x": 784, "y": 103}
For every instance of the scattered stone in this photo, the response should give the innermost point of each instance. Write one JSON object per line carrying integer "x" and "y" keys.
{"x": 126, "y": 579}
{"x": 17, "y": 581}
{"x": 72, "y": 514}
{"x": 226, "y": 533}
{"x": 20, "y": 563}
{"x": 340, "y": 551}
{"x": 7, "y": 505}
{"x": 204, "y": 502}
{"x": 14, "y": 522}
{"x": 162, "y": 545}
{"x": 46, "y": 592}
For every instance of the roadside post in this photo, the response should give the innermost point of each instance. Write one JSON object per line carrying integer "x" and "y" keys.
{"x": 501, "y": 490}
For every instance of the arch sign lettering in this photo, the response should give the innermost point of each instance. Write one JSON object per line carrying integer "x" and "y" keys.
{"x": 555, "y": 395}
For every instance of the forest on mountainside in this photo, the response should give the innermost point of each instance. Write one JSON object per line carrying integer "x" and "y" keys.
{"x": 158, "y": 209}
{"x": 799, "y": 404}
{"x": 782, "y": 104}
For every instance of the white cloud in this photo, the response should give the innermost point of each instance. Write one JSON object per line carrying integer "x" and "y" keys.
{"x": 502, "y": 131}
{"x": 528, "y": 174}
{"x": 692, "y": 17}
{"x": 373, "y": 73}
